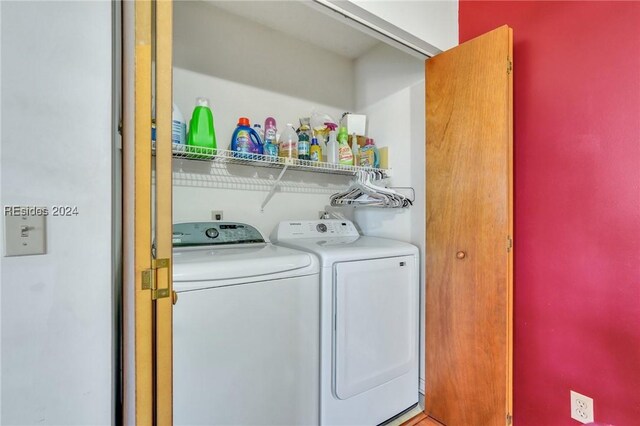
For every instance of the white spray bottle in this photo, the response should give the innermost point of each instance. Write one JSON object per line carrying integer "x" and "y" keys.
{"x": 332, "y": 144}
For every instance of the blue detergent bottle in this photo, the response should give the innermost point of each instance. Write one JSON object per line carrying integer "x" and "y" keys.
{"x": 369, "y": 156}
{"x": 245, "y": 140}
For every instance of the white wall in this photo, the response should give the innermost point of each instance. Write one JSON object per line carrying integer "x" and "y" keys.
{"x": 211, "y": 41}
{"x": 390, "y": 90}
{"x": 56, "y": 149}
{"x": 434, "y": 21}
{"x": 256, "y": 72}
{"x": 239, "y": 191}
{"x": 230, "y": 100}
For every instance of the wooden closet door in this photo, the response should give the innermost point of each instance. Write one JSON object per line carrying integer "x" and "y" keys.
{"x": 147, "y": 278}
{"x": 163, "y": 294}
{"x": 469, "y": 230}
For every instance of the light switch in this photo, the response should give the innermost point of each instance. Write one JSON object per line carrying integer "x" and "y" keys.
{"x": 24, "y": 235}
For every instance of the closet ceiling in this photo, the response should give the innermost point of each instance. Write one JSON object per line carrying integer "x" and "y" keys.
{"x": 298, "y": 20}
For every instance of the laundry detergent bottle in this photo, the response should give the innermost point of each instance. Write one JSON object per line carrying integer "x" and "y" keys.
{"x": 202, "y": 137}
{"x": 245, "y": 140}
{"x": 369, "y": 156}
{"x": 260, "y": 132}
{"x": 178, "y": 127}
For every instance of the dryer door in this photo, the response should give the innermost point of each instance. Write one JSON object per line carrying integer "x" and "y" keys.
{"x": 376, "y": 323}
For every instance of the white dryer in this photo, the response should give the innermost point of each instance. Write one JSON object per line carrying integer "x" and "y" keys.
{"x": 369, "y": 313}
{"x": 246, "y": 328}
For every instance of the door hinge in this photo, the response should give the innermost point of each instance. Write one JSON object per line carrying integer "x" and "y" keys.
{"x": 509, "y": 243}
{"x": 509, "y": 66}
{"x": 509, "y": 419}
{"x": 150, "y": 278}
{"x": 160, "y": 293}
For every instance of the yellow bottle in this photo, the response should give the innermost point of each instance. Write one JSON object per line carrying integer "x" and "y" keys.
{"x": 315, "y": 151}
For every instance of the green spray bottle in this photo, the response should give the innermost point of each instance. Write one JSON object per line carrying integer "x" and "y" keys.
{"x": 345, "y": 155}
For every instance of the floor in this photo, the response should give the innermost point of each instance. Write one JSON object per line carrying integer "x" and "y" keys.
{"x": 414, "y": 417}
{"x": 421, "y": 420}
{"x": 406, "y": 416}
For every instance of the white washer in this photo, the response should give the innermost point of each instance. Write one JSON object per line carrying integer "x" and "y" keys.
{"x": 369, "y": 320}
{"x": 245, "y": 328}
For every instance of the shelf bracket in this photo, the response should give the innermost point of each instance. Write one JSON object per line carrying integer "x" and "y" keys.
{"x": 275, "y": 186}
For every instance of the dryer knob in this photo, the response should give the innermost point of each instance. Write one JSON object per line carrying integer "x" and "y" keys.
{"x": 321, "y": 227}
{"x": 212, "y": 233}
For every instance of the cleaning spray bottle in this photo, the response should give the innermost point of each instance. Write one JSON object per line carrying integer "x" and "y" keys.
{"x": 332, "y": 145}
{"x": 345, "y": 155}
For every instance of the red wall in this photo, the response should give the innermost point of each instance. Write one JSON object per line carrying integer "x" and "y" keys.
{"x": 577, "y": 205}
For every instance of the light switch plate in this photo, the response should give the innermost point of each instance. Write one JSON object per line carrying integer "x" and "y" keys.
{"x": 25, "y": 235}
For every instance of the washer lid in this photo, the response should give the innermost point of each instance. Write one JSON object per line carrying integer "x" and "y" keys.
{"x": 341, "y": 249}
{"x": 247, "y": 262}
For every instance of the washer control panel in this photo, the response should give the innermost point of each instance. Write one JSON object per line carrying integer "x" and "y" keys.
{"x": 214, "y": 233}
{"x": 316, "y": 229}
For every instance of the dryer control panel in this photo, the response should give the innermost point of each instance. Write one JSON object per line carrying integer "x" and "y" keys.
{"x": 214, "y": 233}
{"x": 316, "y": 229}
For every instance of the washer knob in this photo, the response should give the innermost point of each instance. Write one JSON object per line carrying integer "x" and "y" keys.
{"x": 212, "y": 233}
{"x": 321, "y": 227}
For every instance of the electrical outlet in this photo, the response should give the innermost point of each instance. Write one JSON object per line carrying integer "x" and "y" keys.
{"x": 216, "y": 214}
{"x": 581, "y": 408}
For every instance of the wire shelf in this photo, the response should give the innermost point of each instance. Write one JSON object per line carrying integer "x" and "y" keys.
{"x": 224, "y": 156}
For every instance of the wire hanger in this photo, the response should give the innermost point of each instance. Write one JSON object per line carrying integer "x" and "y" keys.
{"x": 364, "y": 192}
